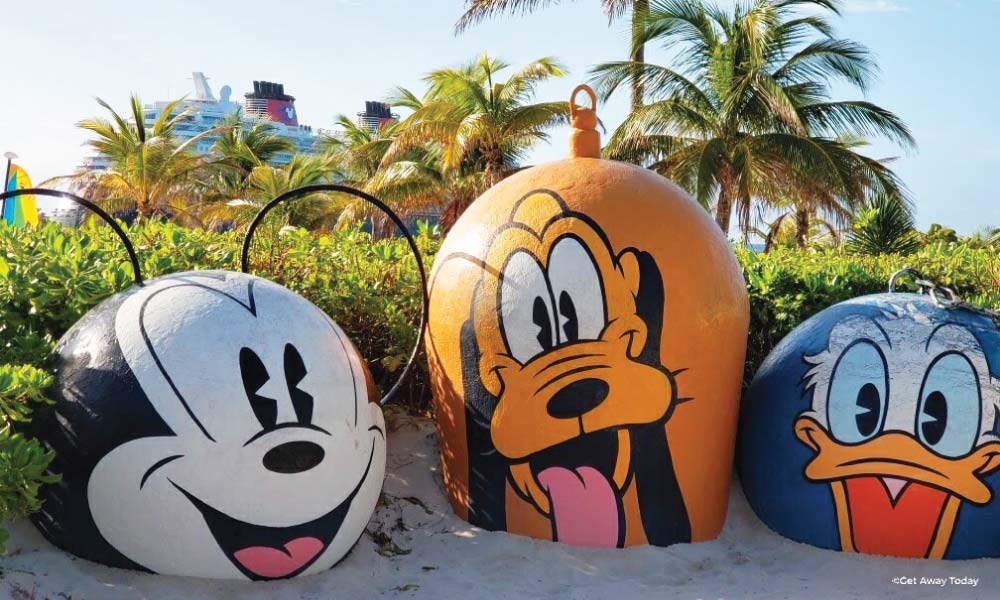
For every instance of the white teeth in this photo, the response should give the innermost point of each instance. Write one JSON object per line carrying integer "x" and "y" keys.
{"x": 894, "y": 485}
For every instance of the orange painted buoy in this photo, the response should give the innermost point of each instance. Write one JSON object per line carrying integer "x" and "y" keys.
{"x": 586, "y": 340}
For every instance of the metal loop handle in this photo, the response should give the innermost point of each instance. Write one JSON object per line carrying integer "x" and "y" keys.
{"x": 951, "y": 299}
{"x": 329, "y": 187}
{"x": 918, "y": 279}
{"x": 97, "y": 210}
{"x": 573, "y": 108}
{"x": 943, "y": 297}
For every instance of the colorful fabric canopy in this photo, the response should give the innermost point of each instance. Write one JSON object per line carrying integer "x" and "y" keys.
{"x": 20, "y": 210}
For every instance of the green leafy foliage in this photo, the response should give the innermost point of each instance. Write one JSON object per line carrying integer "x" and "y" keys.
{"x": 371, "y": 288}
{"x": 884, "y": 226}
{"x": 787, "y": 286}
{"x": 19, "y": 387}
{"x": 51, "y": 276}
{"x": 23, "y": 462}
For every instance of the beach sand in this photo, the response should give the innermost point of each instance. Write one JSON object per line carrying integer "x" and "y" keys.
{"x": 416, "y": 548}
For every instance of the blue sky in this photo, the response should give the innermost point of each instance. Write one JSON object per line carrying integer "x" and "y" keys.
{"x": 939, "y": 70}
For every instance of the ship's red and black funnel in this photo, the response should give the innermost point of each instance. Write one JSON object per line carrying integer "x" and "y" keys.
{"x": 270, "y": 100}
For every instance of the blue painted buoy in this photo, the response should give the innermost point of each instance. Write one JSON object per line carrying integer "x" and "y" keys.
{"x": 872, "y": 427}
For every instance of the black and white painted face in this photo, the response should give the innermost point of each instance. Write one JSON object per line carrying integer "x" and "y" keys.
{"x": 277, "y": 457}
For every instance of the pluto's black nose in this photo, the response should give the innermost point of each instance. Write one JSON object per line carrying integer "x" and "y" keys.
{"x": 293, "y": 457}
{"x": 577, "y": 398}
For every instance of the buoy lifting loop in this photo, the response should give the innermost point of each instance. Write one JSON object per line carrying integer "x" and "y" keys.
{"x": 343, "y": 189}
{"x": 97, "y": 210}
{"x": 573, "y": 108}
{"x": 943, "y": 297}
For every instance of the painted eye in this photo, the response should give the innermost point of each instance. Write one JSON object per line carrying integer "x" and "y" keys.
{"x": 948, "y": 419}
{"x": 576, "y": 286}
{"x": 859, "y": 389}
{"x": 254, "y": 377}
{"x": 295, "y": 372}
{"x": 526, "y": 315}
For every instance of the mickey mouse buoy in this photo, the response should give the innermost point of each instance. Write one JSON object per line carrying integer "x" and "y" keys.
{"x": 212, "y": 424}
{"x": 586, "y": 341}
{"x": 872, "y": 427}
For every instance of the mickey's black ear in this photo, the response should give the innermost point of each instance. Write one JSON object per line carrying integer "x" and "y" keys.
{"x": 487, "y": 468}
{"x": 649, "y": 305}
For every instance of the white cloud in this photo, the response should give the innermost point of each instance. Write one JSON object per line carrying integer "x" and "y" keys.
{"x": 874, "y": 6}
{"x": 862, "y": 7}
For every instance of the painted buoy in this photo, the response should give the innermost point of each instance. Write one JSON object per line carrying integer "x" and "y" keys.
{"x": 586, "y": 343}
{"x": 872, "y": 427}
{"x": 210, "y": 424}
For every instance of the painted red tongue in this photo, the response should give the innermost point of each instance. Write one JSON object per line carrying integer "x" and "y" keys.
{"x": 584, "y": 506}
{"x": 893, "y": 516}
{"x": 273, "y": 562}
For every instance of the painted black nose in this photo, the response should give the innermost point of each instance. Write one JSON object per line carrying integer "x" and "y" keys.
{"x": 293, "y": 457}
{"x": 577, "y": 398}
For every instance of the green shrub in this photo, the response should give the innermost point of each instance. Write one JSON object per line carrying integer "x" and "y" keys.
{"x": 52, "y": 276}
{"x": 371, "y": 289}
{"x": 787, "y": 286}
{"x": 23, "y": 462}
{"x": 884, "y": 226}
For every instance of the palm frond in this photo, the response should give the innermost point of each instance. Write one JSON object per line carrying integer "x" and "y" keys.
{"x": 480, "y": 10}
{"x": 856, "y": 118}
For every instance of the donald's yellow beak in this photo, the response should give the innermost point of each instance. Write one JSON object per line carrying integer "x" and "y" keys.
{"x": 893, "y": 495}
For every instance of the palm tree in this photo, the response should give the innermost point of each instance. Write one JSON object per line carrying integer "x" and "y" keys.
{"x": 750, "y": 103}
{"x": 240, "y": 148}
{"x": 788, "y": 230}
{"x": 993, "y": 238}
{"x": 884, "y": 226}
{"x": 938, "y": 233}
{"x": 358, "y": 150}
{"x": 149, "y": 172}
{"x": 808, "y": 200}
{"x": 266, "y": 182}
{"x": 245, "y": 146}
{"x": 411, "y": 182}
{"x": 471, "y": 127}
{"x": 477, "y": 10}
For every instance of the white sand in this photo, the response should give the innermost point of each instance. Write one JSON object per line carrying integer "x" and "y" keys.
{"x": 447, "y": 558}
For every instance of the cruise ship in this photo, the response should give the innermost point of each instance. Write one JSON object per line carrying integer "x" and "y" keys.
{"x": 268, "y": 100}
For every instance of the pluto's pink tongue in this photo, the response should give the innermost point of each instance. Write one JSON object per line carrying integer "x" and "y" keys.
{"x": 272, "y": 562}
{"x": 584, "y": 507}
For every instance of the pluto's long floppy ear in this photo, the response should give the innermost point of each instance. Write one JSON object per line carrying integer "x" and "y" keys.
{"x": 661, "y": 505}
{"x": 649, "y": 307}
{"x": 487, "y": 468}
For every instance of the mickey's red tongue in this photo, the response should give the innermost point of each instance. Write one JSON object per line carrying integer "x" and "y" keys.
{"x": 272, "y": 563}
{"x": 893, "y": 516}
{"x": 584, "y": 506}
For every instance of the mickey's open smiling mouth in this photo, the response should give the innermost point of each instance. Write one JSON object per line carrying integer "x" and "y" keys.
{"x": 262, "y": 552}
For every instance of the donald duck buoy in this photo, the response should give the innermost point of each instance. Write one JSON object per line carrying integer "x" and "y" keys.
{"x": 872, "y": 428}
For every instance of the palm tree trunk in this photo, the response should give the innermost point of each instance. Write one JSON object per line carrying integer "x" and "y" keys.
{"x": 724, "y": 207}
{"x": 452, "y": 210}
{"x": 494, "y": 166}
{"x": 142, "y": 212}
{"x": 801, "y": 227}
{"x": 640, "y": 10}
